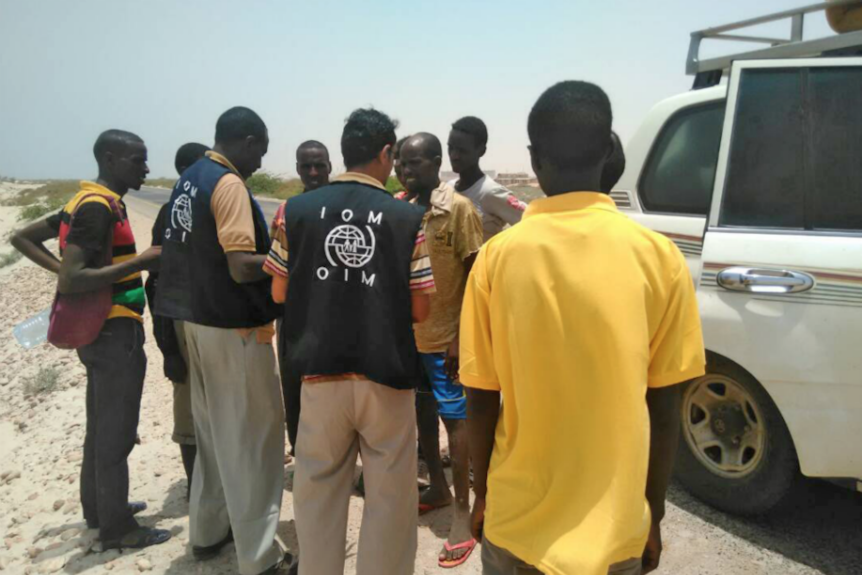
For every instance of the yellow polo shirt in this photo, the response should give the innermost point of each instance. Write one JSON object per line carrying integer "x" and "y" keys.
{"x": 572, "y": 315}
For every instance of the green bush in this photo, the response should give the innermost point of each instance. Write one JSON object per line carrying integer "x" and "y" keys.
{"x": 45, "y": 381}
{"x": 55, "y": 193}
{"x": 36, "y": 211}
{"x": 10, "y": 258}
{"x": 393, "y": 186}
{"x": 265, "y": 184}
{"x": 160, "y": 182}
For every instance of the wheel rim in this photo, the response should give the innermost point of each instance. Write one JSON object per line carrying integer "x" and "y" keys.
{"x": 723, "y": 426}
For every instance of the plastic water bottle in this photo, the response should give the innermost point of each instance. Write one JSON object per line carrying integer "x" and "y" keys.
{"x": 33, "y": 331}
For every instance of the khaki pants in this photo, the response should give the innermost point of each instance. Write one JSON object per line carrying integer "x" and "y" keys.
{"x": 184, "y": 426}
{"x": 339, "y": 420}
{"x": 498, "y": 561}
{"x": 239, "y": 425}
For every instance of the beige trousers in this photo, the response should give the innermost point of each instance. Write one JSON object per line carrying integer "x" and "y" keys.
{"x": 339, "y": 420}
{"x": 239, "y": 426}
{"x": 184, "y": 425}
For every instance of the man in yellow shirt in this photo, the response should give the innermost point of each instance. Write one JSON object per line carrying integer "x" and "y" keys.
{"x": 583, "y": 321}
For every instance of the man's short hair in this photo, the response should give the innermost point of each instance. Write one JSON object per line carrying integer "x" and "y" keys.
{"x": 570, "y": 125}
{"x": 188, "y": 154}
{"x": 366, "y": 132}
{"x": 311, "y": 145}
{"x": 238, "y": 123}
{"x": 475, "y": 127}
{"x": 396, "y": 149}
{"x": 432, "y": 147}
{"x": 113, "y": 141}
{"x": 615, "y": 166}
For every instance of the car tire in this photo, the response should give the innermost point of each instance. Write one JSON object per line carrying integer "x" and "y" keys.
{"x": 771, "y": 472}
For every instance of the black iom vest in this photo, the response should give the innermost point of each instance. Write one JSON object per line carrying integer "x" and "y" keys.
{"x": 348, "y": 307}
{"x": 194, "y": 280}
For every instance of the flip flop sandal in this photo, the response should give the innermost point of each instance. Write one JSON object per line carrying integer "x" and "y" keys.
{"x": 428, "y": 508}
{"x": 138, "y": 539}
{"x": 468, "y": 545}
{"x": 134, "y": 506}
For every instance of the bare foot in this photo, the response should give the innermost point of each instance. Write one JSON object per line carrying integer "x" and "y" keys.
{"x": 436, "y": 496}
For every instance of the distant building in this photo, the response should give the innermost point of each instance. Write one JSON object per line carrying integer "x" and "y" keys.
{"x": 516, "y": 179}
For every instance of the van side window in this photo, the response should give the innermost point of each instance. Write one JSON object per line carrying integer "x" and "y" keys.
{"x": 794, "y": 157}
{"x": 836, "y": 149}
{"x": 764, "y": 184}
{"x": 680, "y": 171}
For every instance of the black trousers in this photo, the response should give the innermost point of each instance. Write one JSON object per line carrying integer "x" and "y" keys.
{"x": 116, "y": 366}
{"x": 291, "y": 388}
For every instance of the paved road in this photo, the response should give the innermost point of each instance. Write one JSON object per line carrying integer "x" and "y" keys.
{"x": 158, "y": 196}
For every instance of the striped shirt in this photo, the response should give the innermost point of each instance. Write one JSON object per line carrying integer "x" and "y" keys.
{"x": 93, "y": 218}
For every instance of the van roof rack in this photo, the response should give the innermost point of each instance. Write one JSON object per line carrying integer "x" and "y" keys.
{"x": 793, "y": 47}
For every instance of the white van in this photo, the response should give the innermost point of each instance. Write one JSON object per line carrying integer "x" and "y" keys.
{"x": 758, "y": 180}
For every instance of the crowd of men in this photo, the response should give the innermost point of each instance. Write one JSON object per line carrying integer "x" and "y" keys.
{"x": 550, "y": 339}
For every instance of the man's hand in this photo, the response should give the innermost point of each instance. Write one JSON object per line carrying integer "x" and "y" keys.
{"x": 652, "y": 552}
{"x": 477, "y": 519}
{"x": 453, "y": 355}
{"x": 150, "y": 258}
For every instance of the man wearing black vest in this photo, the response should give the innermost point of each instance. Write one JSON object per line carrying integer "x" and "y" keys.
{"x": 358, "y": 277}
{"x": 215, "y": 244}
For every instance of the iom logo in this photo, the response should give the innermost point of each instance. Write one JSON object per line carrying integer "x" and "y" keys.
{"x": 181, "y": 214}
{"x": 349, "y": 245}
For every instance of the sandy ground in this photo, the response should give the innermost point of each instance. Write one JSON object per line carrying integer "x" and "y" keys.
{"x": 42, "y": 530}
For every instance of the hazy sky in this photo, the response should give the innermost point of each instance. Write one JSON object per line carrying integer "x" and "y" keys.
{"x": 166, "y": 69}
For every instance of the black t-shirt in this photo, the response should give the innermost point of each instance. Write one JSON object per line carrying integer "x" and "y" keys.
{"x": 90, "y": 228}
{"x": 54, "y": 221}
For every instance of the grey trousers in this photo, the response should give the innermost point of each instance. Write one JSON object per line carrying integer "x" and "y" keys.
{"x": 238, "y": 479}
{"x": 339, "y": 420}
{"x": 498, "y": 561}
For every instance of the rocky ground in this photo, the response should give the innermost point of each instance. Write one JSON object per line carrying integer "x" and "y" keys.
{"x": 42, "y": 531}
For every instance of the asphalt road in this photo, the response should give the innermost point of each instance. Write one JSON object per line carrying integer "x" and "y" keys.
{"x": 158, "y": 196}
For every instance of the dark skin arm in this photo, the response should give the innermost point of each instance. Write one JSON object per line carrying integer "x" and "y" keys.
{"x": 246, "y": 267}
{"x": 76, "y": 277}
{"x": 453, "y": 355}
{"x": 483, "y": 412}
{"x": 30, "y": 242}
{"x": 664, "y": 411}
{"x": 420, "y": 307}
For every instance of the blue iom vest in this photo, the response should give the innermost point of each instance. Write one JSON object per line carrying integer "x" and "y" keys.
{"x": 194, "y": 279}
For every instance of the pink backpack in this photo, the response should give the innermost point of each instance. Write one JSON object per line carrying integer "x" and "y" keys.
{"x": 77, "y": 318}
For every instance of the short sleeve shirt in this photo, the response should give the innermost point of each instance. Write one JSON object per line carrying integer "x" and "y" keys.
{"x": 453, "y": 233}
{"x": 232, "y": 210}
{"x": 572, "y": 315}
{"x": 498, "y": 206}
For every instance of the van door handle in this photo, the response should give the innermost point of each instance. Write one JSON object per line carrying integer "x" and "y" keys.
{"x": 764, "y": 280}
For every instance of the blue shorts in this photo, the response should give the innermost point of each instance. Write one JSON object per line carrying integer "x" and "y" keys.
{"x": 450, "y": 396}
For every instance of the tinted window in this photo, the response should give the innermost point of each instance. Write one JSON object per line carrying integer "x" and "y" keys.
{"x": 680, "y": 171}
{"x": 794, "y": 156}
{"x": 836, "y": 149}
{"x": 765, "y": 184}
